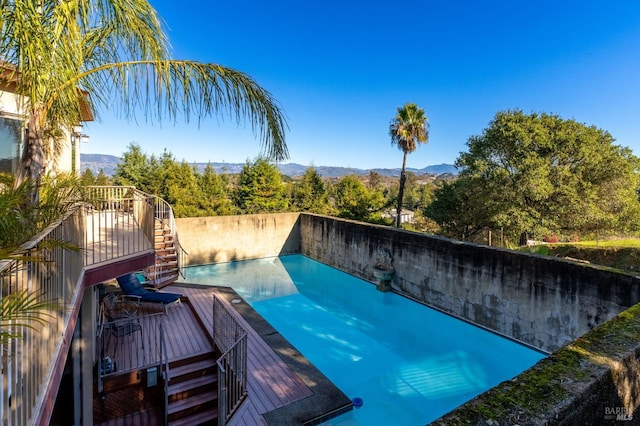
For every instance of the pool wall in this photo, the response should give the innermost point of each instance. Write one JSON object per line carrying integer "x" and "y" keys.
{"x": 542, "y": 301}
{"x": 228, "y": 238}
{"x": 545, "y": 302}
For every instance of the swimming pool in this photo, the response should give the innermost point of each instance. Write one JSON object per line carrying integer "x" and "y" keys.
{"x": 408, "y": 363}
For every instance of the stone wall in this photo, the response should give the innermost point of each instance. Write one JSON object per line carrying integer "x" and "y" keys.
{"x": 541, "y": 301}
{"x": 228, "y": 238}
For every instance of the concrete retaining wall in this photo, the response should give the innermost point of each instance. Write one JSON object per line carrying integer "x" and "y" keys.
{"x": 541, "y": 301}
{"x": 592, "y": 381}
{"x": 227, "y": 238}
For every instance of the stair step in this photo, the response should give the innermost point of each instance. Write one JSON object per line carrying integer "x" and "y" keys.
{"x": 166, "y": 254}
{"x": 188, "y": 388}
{"x": 164, "y": 245}
{"x": 167, "y": 264}
{"x": 193, "y": 403}
{"x": 191, "y": 370}
{"x": 208, "y": 417}
{"x": 165, "y": 280}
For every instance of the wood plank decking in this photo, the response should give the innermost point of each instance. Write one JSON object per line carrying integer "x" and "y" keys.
{"x": 271, "y": 383}
{"x": 110, "y": 235}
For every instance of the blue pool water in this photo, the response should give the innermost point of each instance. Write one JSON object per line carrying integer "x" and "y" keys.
{"x": 410, "y": 364}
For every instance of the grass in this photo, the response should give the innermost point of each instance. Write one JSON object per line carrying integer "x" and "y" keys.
{"x": 634, "y": 243}
{"x": 622, "y": 254}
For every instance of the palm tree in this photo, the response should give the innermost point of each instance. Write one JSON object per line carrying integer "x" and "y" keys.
{"x": 409, "y": 128}
{"x": 69, "y": 58}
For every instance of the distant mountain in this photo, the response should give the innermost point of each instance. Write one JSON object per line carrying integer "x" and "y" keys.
{"x": 108, "y": 164}
{"x": 95, "y": 162}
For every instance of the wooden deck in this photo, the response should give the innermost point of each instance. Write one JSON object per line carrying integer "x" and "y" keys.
{"x": 271, "y": 383}
{"x": 184, "y": 337}
{"x": 112, "y": 234}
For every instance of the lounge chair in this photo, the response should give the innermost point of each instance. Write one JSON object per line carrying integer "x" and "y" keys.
{"x": 131, "y": 286}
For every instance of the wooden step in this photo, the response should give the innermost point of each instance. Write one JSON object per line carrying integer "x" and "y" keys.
{"x": 165, "y": 280}
{"x": 166, "y": 255}
{"x": 188, "y": 388}
{"x": 191, "y": 370}
{"x": 167, "y": 265}
{"x": 192, "y": 404}
{"x": 208, "y": 417}
{"x": 160, "y": 245}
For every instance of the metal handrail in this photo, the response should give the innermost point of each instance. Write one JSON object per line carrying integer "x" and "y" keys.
{"x": 142, "y": 333}
{"x": 128, "y": 198}
{"x": 164, "y": 212}
{"x": 232, "y": 387}
{"x": 230, "y": 338}
{"x": 166, "y": 375}
{"x": 52, "y": 272}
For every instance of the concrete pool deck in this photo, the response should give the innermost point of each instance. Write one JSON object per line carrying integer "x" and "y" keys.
{"x": 284, "y": 387}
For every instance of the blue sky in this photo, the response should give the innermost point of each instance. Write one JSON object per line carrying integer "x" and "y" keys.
{"x": 341, "y": 68}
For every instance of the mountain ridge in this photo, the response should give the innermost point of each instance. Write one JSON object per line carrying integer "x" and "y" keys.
{"x": 108, "y": 164}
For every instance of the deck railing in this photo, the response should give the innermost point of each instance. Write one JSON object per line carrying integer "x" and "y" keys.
{"x": 130, "y": 208}
{"x": 231, "y": 340}
{"x": 164, "y": 213}
{"x": 52, "y": 272}
{"x": 130, "y": 344}
{"x": 111, "y": 223}
{"x": 120, "y": 222}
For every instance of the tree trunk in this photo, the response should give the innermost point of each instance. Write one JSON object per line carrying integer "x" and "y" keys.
{"x": 32, "y": 158}
{"x": 403, "y": 179}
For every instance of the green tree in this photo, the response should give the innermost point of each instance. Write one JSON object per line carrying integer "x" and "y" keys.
{"x": 310, "y": 194}
{"x": 215, "y": 192}
{"x": 69, "y": 59}
{"x": 87, "y": 178}
{"x": 102, "y": 179}
{"x": 183, "y": 191}
{"x": 157, "y": 178}
{"x": 355, "y": 201}
{"x": 457, "y": 210}
{"x": 409, "y": 128}
{"x": 541, "y": 174}
{"x": 260, "y": 188}
{"x": 133, "y": 169}
{"x": 375, "y": 181}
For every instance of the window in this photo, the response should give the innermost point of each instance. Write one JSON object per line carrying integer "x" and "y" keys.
{"x": 11, "y": 136}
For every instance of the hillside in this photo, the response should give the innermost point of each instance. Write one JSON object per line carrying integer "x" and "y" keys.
{"x": 108, "y": 164}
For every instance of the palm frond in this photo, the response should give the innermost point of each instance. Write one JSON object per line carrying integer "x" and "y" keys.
{"x": 23, "y": 309}
{"x": 166, "y": 89}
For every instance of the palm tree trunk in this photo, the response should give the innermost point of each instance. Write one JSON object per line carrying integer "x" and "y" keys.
{"x": 32, "y": 158}
{"x": 403, "y": 179}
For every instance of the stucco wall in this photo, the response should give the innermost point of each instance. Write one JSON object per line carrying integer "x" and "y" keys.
{"x": 227, "y": 238}
{"x": 544, "y": 302}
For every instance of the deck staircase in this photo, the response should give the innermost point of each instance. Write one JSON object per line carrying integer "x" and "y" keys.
{"x": 193, "y": 391}
{"x": 166, "y": 268}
